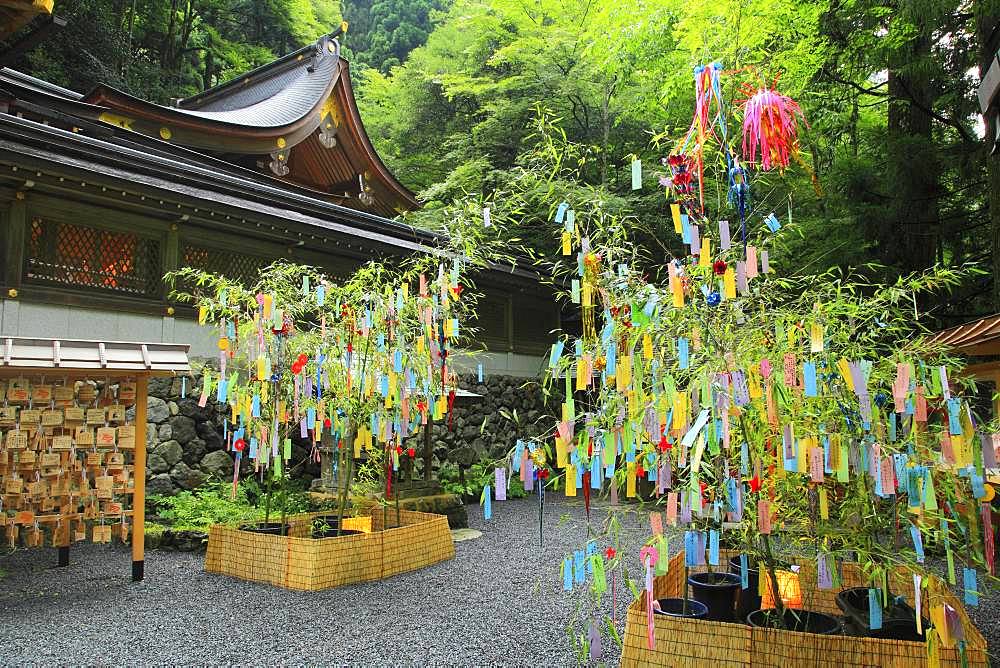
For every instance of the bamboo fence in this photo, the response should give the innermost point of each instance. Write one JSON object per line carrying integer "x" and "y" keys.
{"x": 296, "y": 561}
{"x": 691, "y": 643}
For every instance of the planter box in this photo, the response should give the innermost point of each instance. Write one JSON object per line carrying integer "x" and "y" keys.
{"x": 699, "y": 643}
{"x": 299, "y": 562}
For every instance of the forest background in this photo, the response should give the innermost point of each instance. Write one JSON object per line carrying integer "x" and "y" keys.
{"x": 897, "y": 170}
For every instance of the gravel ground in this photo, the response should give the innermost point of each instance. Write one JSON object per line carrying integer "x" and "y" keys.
{"x": 500, "y": 601}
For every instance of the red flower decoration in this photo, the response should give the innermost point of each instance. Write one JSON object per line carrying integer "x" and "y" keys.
{"x": 303, "y": 359}
{"x": 240, "y": 445}
{"x": 411, "y": 452}
{"x": 610, "y": 553}
{"x": 755, "y": 484}
{"x": 719, "y": 267}
{"x": 664, "y": 444}
{"x": 544, "y": 474}
{"x": 399, "y": 449}
{"x": 639, "y": 471}
{"x": 327, "y": 423}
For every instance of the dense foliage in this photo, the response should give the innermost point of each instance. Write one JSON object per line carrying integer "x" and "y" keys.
{"x": 894, "y": 171}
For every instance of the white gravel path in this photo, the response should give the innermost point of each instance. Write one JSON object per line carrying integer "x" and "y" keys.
{"x": 499, "y": 602}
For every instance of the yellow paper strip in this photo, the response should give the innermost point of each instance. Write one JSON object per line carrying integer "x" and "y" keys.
{"x": 675, "y": 212}
{"x": 729, "y": 283}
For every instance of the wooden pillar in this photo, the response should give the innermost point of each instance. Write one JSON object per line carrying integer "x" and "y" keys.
{"x": 17, "y": 220}
{"x": 139, "y": 493}
{"x": 996, "y": 393}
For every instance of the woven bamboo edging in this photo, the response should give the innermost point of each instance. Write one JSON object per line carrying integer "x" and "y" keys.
{"x": 692, "y": 643}
{"x": 299, "y": 562}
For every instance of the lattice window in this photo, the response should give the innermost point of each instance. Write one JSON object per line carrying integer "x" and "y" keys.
{"x": 533, "y": 320}
{"x": 491, "y": 321}
{"x": 90, "y": 257}
{"x": 234, "y": 266}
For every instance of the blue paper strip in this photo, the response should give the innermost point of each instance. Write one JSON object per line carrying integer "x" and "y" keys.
{"x": 970, "y": 586}
{"x": 874, "y": 609}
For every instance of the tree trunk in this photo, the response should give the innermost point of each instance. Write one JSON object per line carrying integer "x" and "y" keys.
{"x": 167, "y": 50}
{"x": 988, "y": 37}
{"x": 909, "y": 240}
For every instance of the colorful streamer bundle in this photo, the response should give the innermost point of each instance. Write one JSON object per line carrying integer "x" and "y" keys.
{"x": 770, "y": 128}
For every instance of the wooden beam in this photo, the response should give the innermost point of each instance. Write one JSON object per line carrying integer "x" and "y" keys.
{"x": 139, "y": 493}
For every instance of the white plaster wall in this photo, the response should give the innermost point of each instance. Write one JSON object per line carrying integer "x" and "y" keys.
{"x": 19, "y": 318}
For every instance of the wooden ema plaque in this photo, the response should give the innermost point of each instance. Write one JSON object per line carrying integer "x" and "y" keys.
{"x": 67, "y": 462}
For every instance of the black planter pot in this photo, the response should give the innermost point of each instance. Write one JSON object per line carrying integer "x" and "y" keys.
{"x": 804, "y": 621}
{"x": 899, "y": 620}
{"x": 325, "y": 526}
{"x": 270, "y": 528}
{"x": 718, "y": 592}
{"x": 332, "y": 533}
{"x": 674, "y": 607}
{"x": 747, "y": 600}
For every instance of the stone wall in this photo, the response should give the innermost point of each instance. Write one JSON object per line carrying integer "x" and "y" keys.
{"x": 186, "y": 447}
{"x": 467, "y": 441}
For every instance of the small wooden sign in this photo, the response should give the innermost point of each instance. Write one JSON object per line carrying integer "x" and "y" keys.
{"x": 116, "y": 461}
{"x": 8, "y": 416}
{"x": 126, "y": 437}
{"x": 41, "y": 394}
{"x": 113, "y": 508}
{"x": 30, "y": 416}
{"x": 102, "y": 534}
{"x": 13, "y": 486}
{"x": 116, "y": 413}
{"x": 74, "y": 414}
{"x": 87, "y": 393}
{"x": 33, "y": 538}
{"x": 79, "y": 532}
{"x": 126, "y": 392}
{"x": 50, "y": 459}
{"x": 105, "y": 437}
{"x": 64, "y": 394}
{"x": 24, "y": 517}
{"x": 84, "y": 436}
{"x": 19, "y": 391}
{"x": 95, "y": 416}
{"x": 16, "y": 440}
{"x": 52, "y": 418}
{"x": 93, "y": 459}
{"x": 62, "y": 443}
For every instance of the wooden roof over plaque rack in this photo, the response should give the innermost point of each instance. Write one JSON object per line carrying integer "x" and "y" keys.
{"x": 295, "y": 117}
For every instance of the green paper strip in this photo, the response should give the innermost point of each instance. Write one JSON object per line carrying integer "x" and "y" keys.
{"x": 842, "y": 475}
{"x": 600, "y": 584}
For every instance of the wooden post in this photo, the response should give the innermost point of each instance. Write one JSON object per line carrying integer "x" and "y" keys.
{"x": 139, "y": 493}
